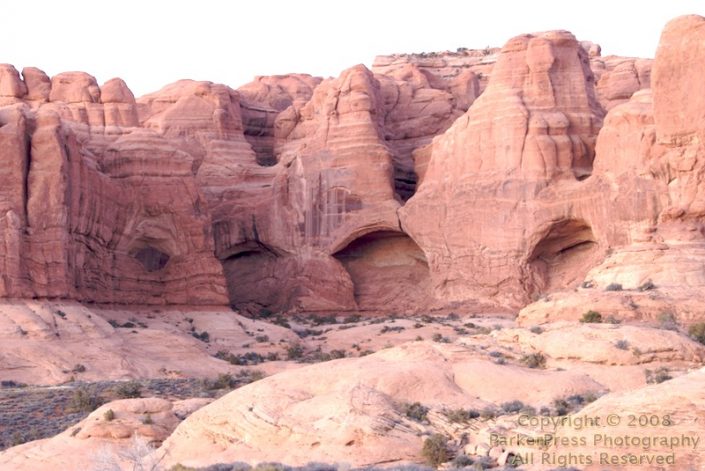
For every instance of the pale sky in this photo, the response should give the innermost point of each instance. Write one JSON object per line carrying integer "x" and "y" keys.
{"x": 152, "y": 43}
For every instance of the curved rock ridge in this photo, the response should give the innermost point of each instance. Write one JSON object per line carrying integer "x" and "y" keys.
{"x": 356, "y": 417}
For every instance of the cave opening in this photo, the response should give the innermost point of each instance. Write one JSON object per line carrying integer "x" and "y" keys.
{"x": 251, "y": 278}
{"x": 151, "y": 258}
{"x": 389, "y": 272}
{"x": 563, "y": 256}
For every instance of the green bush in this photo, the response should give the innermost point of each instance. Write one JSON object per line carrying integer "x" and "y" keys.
{"x": 109, "y": 415}
{"x": 512, "y": 406}
{"x": 435, "y": 450}
{"x": 128, "y": 390}
{"x": 657, "y": 376}
{"x": 415, "y": 411}
{"x": 591, "y": 317}
{"x": 295, "y": 351}
{"x": 534, "y": 360}
{"x": 697, "y": 332}
{"x": 84, "y": 400}
{"x": 460, "y": 415}
{"x": 667, "y": 321}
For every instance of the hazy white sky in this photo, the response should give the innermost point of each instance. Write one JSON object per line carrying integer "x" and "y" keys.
{"x": 152, "y": 43}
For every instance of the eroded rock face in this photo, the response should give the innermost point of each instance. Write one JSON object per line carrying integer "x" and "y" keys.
{"x": 431, "y": 180}
{"x": 496, "y": 170}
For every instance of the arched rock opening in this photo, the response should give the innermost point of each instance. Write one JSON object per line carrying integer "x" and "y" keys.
{"x": 251, "y": 277}
{"x": 151, "y": 258}
{"x": 563, "y": 256}
{"x": 389, "y": 272}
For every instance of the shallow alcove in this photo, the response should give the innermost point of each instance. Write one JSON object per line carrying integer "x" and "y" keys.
{"x": 252, "y": 278}
{"x": 563, "y": 256}
{"x": 389, "y": 272}
{"x": 152, "y": 259}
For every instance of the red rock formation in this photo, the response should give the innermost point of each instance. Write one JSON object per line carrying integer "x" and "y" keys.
{"x": 288, "y": 193}
{"x": 487, "y": 208}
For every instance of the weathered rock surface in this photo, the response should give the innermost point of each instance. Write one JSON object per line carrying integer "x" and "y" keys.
{"x": 505, "y": 169}
{"x": 123, "y": 442}
{"x": 356, "y": 416}
{"x": 430, "y": 181}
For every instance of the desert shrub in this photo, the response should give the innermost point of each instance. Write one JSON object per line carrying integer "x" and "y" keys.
{"x": 396, "y": 328}
{"x": 282, "y": 322}
{"x": 337, "y": 353}
{"x": 561, "y": 406}
{"x": 462, "y": 461}
{"x": 78, "y": 368}
{"x": 303, "y": 333}
{"x": 247, "y": 358}
{"x": 109, "y": 415}
{"x": 536, "y": 330}
{"x": 128, "y": 390}
{"x": 147, "y": 419}
{"x": 435, "y": 450}
{"x": 647, "y": 285}
{"x": 295, "y": 351}
{"x": 488, "y": 413}
{"x": 591, "y": 317}
{"x": 264, "y": 313}
{"x": 320, "y": 320}
{"x": 262, "y": 338}
{"x": 415, "y": 411}
{"x": 352, "y": 319}
{"x": 496, "y": 354}
{"x": 622, "y": 344}
{"x": 84, "y": 400}
{"x": 697, "y": 332}
{"x": 657, "y": 376}
{"x": 437, "y": 337}
{"x": 614, "y": 287}
{"x": 202, "y": 336}
{"x": 61, "y": 314}
{"x": 612, "y": 320}
{"x": 512, "y": 406}
{"x": 250, "y": 376}
{"x": 8, "y": 383}
{"x": 460, "y": 415}
{"x": 534, "y": 360}
{"x": 271, "y": 467}
{"x": 223, "y": 381}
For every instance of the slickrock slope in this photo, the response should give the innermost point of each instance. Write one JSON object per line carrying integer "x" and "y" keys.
{"x": 354, "y": 417}
{"x": 44, "y": 342}
{"x": 121, "y": 440}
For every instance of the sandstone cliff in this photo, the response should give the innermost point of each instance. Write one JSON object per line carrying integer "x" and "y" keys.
{"x": 427, "y": 182}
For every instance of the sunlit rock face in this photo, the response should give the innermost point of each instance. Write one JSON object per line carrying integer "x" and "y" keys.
{"x": 489, "y": 176}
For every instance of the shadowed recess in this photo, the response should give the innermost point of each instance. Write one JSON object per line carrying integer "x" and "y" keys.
{"x": 151, "y": 259}
{"x": 388, "y": 270}
{"x": 563, "y": 256}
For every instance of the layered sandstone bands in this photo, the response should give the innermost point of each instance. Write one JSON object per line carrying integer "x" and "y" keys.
{"x": 428, "y": 181}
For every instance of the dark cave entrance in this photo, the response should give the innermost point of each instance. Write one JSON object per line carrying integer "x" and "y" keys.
{"x": 562, "y": 257}
{"x": 251, "y": 277}
{"x": 389, "y": 272}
